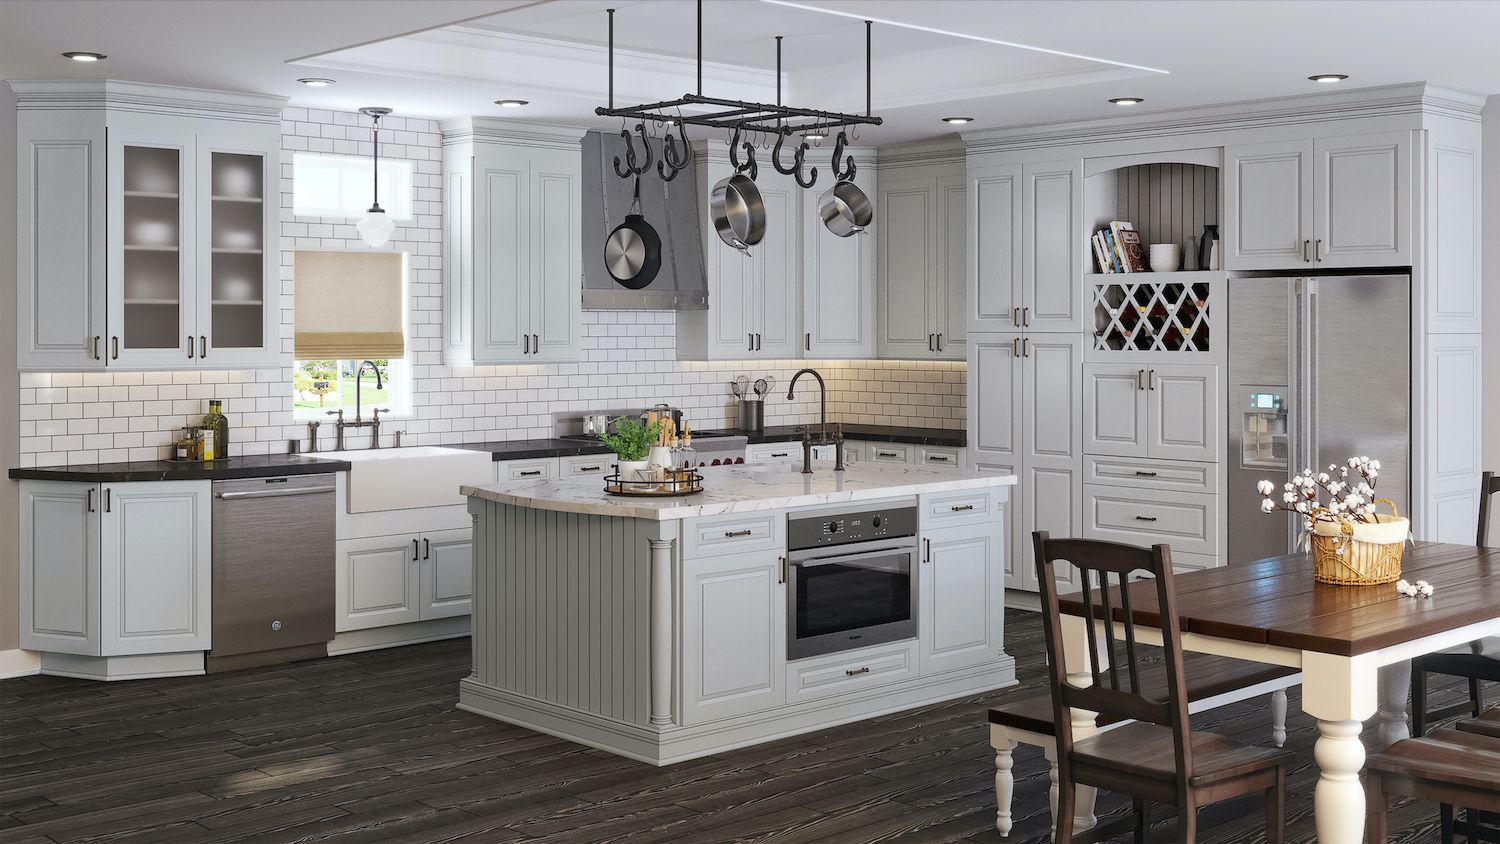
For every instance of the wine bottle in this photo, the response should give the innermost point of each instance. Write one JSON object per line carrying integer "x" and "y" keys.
{"x": 216, "y": 426}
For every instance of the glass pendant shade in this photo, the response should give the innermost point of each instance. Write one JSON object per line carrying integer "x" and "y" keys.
{"x": 375, "y": 227}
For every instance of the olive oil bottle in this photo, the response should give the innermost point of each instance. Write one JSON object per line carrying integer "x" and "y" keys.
{"x": 216, "y": 427}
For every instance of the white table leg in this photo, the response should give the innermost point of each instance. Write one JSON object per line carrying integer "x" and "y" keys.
{"x": 1340, "y": 692}
{"x": 1005, "y": 780}
{"x": 1278, "y": 717}
{"x": 1395, "y": 688}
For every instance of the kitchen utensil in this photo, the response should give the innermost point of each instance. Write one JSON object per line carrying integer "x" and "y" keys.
{"x": 741, "y": 386}
{"x": 760, "y": 388}
{"x": 845, "y": 209}
{"x": 770, "y": 383}
{"x": 632, "y": 252}
{"x": 738, "y": 211}
{"x": 1165, "y": 257}
{"x": 752, "y": 415}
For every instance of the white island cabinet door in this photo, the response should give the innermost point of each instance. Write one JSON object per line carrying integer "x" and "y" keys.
{"x": 962, "y": 595}
{"x": 1362, "y": 201}
{"x": 1268, "y": 206}
{"x": 378, "y": 582}
{"x": 155, "y": 574}
{"x": 447, "y": 573}
{"x": 734, "y": 636}
{"x": 60, "y": 567}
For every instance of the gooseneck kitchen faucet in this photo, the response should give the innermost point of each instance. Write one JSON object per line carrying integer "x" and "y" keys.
{"x": 359, "y": 422}
{"x": 837, "y": 438}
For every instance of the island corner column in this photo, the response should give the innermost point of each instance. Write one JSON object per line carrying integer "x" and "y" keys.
{"x": 661, "y": 629}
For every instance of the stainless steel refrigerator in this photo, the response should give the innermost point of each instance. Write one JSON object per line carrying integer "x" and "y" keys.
{"x": 1319, "y": 371}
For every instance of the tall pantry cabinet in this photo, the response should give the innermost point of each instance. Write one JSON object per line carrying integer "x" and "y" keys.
{"x": 147, "y": 227}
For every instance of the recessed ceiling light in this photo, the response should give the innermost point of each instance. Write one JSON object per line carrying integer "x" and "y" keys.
{"x": 1328, "y": 78}
{"x": 511, "y": 103}
{"x": 85, "y": 57}
{"x": 1127, "y": 101}
{"x": 315, "y": 82}
{"x": 958, "y": 121}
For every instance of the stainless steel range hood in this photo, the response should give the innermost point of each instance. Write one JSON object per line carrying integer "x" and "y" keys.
{"x": 670, "y": 207}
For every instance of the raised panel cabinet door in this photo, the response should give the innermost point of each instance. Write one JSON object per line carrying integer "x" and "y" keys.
{"x": 734, "y": 635}
{"x": 1268, "y": 206}
{"x": 1114, "y": 409}
{"x": 994, "y": 399}
{"x": 447, "y": 568}
{"x": 1454, "y": 243}
{"x": 1184, "y": 412}
{"x": 951, "y": 317}
{"x": 1362, "y": 200}
{"x": 732, "y": 277}
{"x": 1051, "y": 485}
{"x": 907, "y": 267}
{"x": 838, "y": 282}
{"x": 502, "y": 257}
{"x": 60, "y": 567}
{"x": 556, "y": 256}
{"x": 995, "y": 238}
{"x": 962, "y": 590}
{"x": 155, "y": 570}
{"x": 1018, "y": 572}
{"x": 1052, "y": 272}
{"x": 378, "y": 581}
{"x": 60, "y": 254}
{"x": 777, "y": 302}
{"x": 152, "y": 263}
{"x": 1053, "y": 502}
{"x": 238, "y": 255}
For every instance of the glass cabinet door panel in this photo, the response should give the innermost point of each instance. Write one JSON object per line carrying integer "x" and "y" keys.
{"x": 237, "y": 240}
{"x": 151, "y": 228}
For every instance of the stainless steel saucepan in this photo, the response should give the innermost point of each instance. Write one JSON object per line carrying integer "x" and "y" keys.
{"x": 845, "y": 209}
{"x": 738, "y": 211}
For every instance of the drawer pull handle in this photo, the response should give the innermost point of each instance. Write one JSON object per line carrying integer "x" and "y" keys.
{"x": 962, "y": 508}
{"x": 1145, "y": 518}
{"x": 588, "y": 468}
{"x": 530, "y": 473}
{"x": 1145, "y": 474}
{"x": 939, "y": 458}
{"x": 887, "y": 454}
{"x": 855, "y": 672}
{"x": 731, "y": 534}
{"x": 781, "y": 454}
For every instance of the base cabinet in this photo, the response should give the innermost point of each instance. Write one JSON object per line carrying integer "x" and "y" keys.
{"x": 116, "y": 569}
{"x": 386, "y": 580}
{"x": 734, "y": 636}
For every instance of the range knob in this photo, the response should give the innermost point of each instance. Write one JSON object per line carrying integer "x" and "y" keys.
{"x": 875, "y": 522}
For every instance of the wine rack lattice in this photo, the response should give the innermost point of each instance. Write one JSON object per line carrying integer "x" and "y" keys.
{"x": 1151, "y": 316}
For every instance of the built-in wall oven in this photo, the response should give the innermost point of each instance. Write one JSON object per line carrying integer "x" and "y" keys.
{"x": 851, "y": 578}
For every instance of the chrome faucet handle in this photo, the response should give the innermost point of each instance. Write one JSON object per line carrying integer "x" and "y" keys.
{"x": 339, "y": 413}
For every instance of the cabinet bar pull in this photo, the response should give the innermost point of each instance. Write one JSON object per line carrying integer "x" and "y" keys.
{"x": 750, "y": 342}
{"x": 1151, "y": 379}
{"x": 962, "y": 508}
{"x": 940, "y": 342}
{"x": 108, "y": 500}
{"x": 757, "y": 341}
{"x": 1015, "y": 347}
{"x": 1145, "y": 518}
{"x": 781, "y": 578}
{"x": 1025, "y": 347}
{"x": 88, "y": 500}
{"x": 1305, "y": 244}
{"x": 731, "y": 534}
{"x": 855, "y": 672}
{"x": 1318, "y": 251}
{"x": 530, "y": 473}
{"x": 96, "y": 347}
{"x": 114, "y": 345}
{"x": 426, "y": 548}
{"x": 202, "y": 346}
{"x": 781, "y": 454}
{"x": 1145, "y": 474}
{"x": 414, "y": 555}
{"x": 929, "y": 344}
{"x": 927, "y": 558}
{"x": 190, "y": 347}
{"x": 1026, "y": 316}
{"x": 1015, "y": 317}
{"x": 1140, "y": 375}
{"x": 588, "y": 468}
{"x": 807, "y": 341}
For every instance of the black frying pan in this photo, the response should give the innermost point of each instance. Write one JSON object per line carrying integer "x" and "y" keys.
{"x": 632, "y": 252}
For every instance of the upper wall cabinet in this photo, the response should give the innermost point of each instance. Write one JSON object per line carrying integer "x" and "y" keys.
{"x": 1024, "y": 223}
{"x": 1325, "y": 203}
{"x": 512, "y": 243}
{"x": 838, "y": 279}
{"x": 922, "y": 256}
{"x": 155, "y": 248}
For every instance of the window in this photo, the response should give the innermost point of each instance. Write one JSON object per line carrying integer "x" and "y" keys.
{"x": 320, "y": 386}
{"x": 339, "y": 186}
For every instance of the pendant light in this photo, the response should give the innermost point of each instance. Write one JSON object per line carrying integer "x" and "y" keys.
{"x": 375, "y": 227}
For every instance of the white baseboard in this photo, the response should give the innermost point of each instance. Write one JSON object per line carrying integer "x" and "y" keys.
{"x": 18, "y": 663}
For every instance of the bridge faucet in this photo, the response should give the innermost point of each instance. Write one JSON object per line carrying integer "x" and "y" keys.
{"x": 823, "y": 435}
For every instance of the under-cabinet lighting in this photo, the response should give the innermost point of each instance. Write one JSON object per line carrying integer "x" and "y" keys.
{"x": 315, "y": 82}
{"x": 958, "y": 121}
{"x": 511, "y": 103}
{"x": 79, "y": 56}
{"x": 1127, "y": 101}
{"x": 1328, "y": 78}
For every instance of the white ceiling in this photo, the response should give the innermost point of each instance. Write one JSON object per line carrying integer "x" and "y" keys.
{"x": 445, "y": 58}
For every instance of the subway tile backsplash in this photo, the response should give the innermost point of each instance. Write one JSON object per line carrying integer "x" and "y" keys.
{"x": 629, "y": 357}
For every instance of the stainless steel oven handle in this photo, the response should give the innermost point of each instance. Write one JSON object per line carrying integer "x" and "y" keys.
{"x": 813, "y": 558}
{"x": 274, "y": 493}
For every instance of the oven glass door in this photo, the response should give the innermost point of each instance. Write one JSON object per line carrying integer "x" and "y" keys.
{"x": 846, "y": 598}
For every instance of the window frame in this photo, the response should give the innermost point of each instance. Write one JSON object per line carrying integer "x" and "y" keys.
{"x": 396, "y": 187}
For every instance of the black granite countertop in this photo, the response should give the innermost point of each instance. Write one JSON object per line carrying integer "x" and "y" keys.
{"x": 533, "y": 449}
{"x": 249, "y": 466}
{"x": 553, "y": 447}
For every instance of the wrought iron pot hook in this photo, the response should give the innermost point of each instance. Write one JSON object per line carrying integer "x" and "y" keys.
{"x": 670, "y": 160}
{"x": 734, "y": 158}
{"x": 795, "y": 169}
{"x": 631, "y": 168}
{"x": 846, "y": 174}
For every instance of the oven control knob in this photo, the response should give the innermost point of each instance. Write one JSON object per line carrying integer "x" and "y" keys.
{"x": 875, "y": 522}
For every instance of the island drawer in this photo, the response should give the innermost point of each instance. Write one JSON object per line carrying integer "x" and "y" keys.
{"x": 1186, "y": 521}
{"x": 586, "y": 464}
{"x": 733, "y": 534}
{"x": 809, "y": 679}
{"x": 937, "y": 455}
{"x": 888, "y": 453}
{"x": 772, "y": 452}
{"x": 963, "y": 507}
{"x": 526, "y": 470}
{"x": 1179, "y": 475}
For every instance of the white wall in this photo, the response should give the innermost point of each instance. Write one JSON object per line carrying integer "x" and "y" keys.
{"x": 629, "y": 357}
{"x": 1491, "y": 165}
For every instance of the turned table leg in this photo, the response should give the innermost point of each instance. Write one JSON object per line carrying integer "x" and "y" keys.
{"x": 1278, "y": 717}
{"x": 1340, "y": 692}
{"x": 1395, "y": 687}
{"x": 1005, "y": 780}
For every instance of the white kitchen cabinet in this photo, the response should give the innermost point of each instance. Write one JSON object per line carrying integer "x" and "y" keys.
{"x": 922, "y": 260}
{"x": 447, "y": 573}
{"x": 512, "y": 203}
{"x": 734, "y": 635}
{"x": 521, "y": 470}
{"x": 897, "y": 453}
{"x": 1051, "y": 269}
{"x": 403, "y": 578}
{"x": 157, "y": 248}
{"x": 939, "y": 456}
{"x": 995, "y": 396}
{"x": 586, "y": 464}
{"x": 838, "y": 280}
{"x": 773, "y": 452}
{"x": 962, "y": 617}
{"x": 1164, "y": 411}
{"x": 995, "y": 291}
{"x": 1335, "y": 201}
{"x": 115, "y": 569}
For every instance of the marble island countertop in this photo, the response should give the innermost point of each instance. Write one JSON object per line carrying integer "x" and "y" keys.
{"x": 738, "y": 489}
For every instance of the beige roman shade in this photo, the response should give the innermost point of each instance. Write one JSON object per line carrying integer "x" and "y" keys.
{"x": 348, "y": 305}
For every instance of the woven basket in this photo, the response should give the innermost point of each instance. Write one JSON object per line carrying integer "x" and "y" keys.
{"x": 1358, "y": 554}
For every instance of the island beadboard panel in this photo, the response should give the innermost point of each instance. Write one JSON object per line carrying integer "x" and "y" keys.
{"x": 629, "y": 356}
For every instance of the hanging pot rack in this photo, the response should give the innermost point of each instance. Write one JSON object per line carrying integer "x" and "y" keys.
{"x": 736, "y": 116}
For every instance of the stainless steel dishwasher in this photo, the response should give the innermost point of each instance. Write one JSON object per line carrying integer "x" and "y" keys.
{"x": 273, "y": 576}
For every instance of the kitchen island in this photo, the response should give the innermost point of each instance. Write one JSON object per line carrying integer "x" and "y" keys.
{"x": 665, "y": 629}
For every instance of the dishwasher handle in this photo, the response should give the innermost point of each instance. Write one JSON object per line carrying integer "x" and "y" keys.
{"x": 274, "y": 493}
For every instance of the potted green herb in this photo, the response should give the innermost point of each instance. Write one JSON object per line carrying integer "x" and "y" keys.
{"x": 631, "y": 442}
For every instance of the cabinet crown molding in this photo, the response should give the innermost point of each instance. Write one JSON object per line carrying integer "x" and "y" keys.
{"x": 918, "y": 153}
{"x": 479, "y": 129}
{"x": 119, "y": 95}
{"x": 1417, "y": 98}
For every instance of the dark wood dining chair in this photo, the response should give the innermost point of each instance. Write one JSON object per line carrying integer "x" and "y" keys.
{"x": 1158, "y": 757}
{"x": 1477, "y": 662}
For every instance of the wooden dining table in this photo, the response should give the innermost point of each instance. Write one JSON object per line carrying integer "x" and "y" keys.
{"x": 1353, "y": 645}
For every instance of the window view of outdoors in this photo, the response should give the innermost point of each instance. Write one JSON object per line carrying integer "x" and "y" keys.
{"x": 329, "y": 385}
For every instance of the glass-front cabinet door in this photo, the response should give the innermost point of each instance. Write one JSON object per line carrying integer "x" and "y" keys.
{"x": 150, "y": 268}
{"x": 238, "y": 254}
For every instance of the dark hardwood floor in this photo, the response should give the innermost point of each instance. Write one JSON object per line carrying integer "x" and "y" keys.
{"x": 369, "y": 747}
